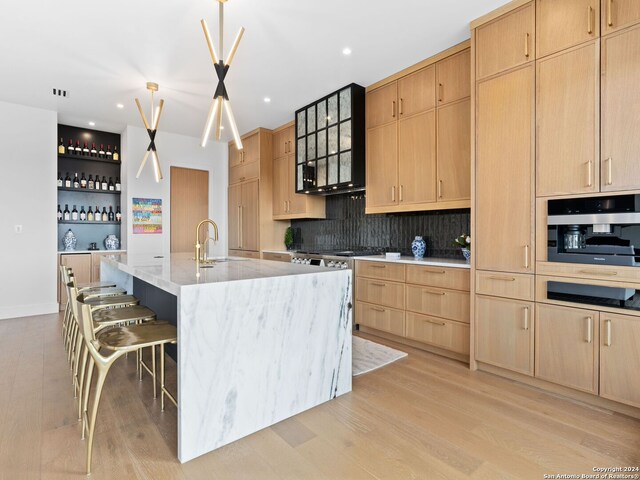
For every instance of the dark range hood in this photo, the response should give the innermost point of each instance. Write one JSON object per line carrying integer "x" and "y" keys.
{"x": 330, "y": 143}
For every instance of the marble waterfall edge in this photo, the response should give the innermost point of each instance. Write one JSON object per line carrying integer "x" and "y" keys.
{"x": 255, "y": 352}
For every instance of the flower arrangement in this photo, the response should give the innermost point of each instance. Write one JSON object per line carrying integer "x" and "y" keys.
{"x": 463, "y": 241}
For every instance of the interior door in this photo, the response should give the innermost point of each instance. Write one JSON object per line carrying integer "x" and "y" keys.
{"x": 189, "y": 206}
{"x": 382, "y": 165}
{"x": 249, "y": 216}
{"x": 417, "y": 158}
{"x": 454, "y": 151}
{"x": 235, "y": 203}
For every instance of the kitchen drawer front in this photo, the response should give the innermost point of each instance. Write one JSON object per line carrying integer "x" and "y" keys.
{"x": 381, "y": 318}
{"x": 439, "y": 332}
{"x": 277, "y": 257}
{"x": 449, "y": 304}
{"x": 508, "y": 285}
{"x": 244, "y": 254}
{"x": 244, "y": 172}
{"x": 381, "y": 270}
{"x": 384, "y": 293}
{"x": 609, "y": 273}
{"x": 455, "y": 278}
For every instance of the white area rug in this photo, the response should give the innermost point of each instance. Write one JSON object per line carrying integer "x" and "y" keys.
{"x": 368, "y": 356}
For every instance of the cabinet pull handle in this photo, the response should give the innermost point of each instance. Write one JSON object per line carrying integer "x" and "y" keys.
{"x": 589, "y": 25}
{"x": 526, "y": 45}
{"x": 286, "y": 147}
{"x": 289, "y": 146}
{"x": 525, "y": 320}
{"x": 393, "y": 108}
{"x": 401, "y": 191}
{"x": 505, "y": 279}
{"x": 378, "y": 266}
{"x": 426, "y": 270}
{"x": 285, "y": 205}
{"x": 526, "y": 256}
{"x": 289, "y": 206}
{"x": 607, "y": 341}
{"x": 401, "y": 106}
{"x": 589, "y": 171}
{"x": 440, "y": 92}
{"x": 378, "y": 284}
{"x": 589, "y": 329}
{"x": 609, "y": 171}
{"x": 239, "y": 226}
{"x": 596, "y": 272}
{"x": 431, "y": 292}
{"x": 609, "y": 13}
{"x": 393, "y": 194}
{"x": 439, "y": 188}
{"x": 378, "y": 309}
{"x": 442, "y": 324}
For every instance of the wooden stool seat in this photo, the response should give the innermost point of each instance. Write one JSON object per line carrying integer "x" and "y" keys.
{"x": 137, "y": 336}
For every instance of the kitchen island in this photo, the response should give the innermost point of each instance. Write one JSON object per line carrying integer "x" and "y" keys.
{"x": 258, "y": 341}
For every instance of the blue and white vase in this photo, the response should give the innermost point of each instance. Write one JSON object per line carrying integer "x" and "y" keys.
{"x": 111, "y": 242}
{"x": 418, "y": 247}
{"x": 467, "y": 254}
{"x": 69, "y": 241}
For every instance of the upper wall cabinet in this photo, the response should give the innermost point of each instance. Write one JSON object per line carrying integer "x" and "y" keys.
{"x": 382, "y": 105}
{"x": 506, "y": 42}
{"x": 416, "y": 92}
{"x": 618, "y": 14}
{"x": 453, "y": 77}
{"x": 564, "y": 23}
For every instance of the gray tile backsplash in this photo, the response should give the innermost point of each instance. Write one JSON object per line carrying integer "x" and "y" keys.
{"x": 347, "y": 227}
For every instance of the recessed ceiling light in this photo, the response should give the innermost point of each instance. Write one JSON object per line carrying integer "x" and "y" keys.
{"x": 346, "y": 51}
{"x": 92, "y": 124}
{"x": 119, "y": 105}
{"x": 267, "y": 100}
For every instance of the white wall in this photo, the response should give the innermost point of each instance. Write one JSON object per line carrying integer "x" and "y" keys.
{"x": 178, "y": 151}
{"x": 28, "y": 197}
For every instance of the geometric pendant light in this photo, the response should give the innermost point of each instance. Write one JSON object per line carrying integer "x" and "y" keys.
{"x": 152, "y": 129}
{"x": 221, "y": 98}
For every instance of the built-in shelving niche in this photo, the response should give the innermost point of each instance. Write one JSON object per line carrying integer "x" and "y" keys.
{"x": 88, "y": 232}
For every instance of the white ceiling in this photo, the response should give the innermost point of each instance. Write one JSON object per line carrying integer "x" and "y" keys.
{"x": 104, "y": 52}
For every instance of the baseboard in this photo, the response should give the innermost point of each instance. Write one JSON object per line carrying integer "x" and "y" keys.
{"x": 28, "y": 310}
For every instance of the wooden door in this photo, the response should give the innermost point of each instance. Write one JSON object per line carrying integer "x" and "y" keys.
{"x": 249, "y": 230}
{"x": 567, "y": 342}
{"x": 417, "y": 158}
{"x": 235, "y": 155}
{"x": 504, "y": 333}
{"x": 620, "y": 358}
{"x": 235, "y": 204}
{"x": 506, "y": 42}
{"x": 382, "y": 165}
{"x": 561, "y": 24}
{"x": 80, "y": 263}
{"x": 454, "y": 151}
{"x": 567, "y": 119}
{"x": 621, "y": 111}
{"x": 454, "y": 77}
{"x": 619, "y": 13}
{"x": 298, "y": 203}
{"x": 283, "y": 142}
{"x": 251, "y": 148}
{"x": 417, "y": 92}
{"x": 281, "y": 184}
{"x": 189, "y": 206}
{"x": 382, "y": 105}
{"x": 504, "y": 145}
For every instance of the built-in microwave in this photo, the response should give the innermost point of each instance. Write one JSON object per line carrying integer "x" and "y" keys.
{"x": 594, "y": 230}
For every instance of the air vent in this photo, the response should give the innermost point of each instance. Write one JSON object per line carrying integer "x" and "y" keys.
{"x": 60, "y": 93}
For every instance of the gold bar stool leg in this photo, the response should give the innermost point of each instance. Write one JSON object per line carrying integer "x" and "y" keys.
{"x": 153, "y": 366}
{"x": 102, "y": 375}
{"x": 85, "y": 400}
{"x": 140, "y": 358}
{"x": 162, "y": 377}
{"x": 83, "y": 368}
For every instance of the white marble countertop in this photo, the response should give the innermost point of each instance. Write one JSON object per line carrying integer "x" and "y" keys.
{"x": 172, "y": 272}
{"x": 92, "y": 251}
{"x": 428, "y": 261}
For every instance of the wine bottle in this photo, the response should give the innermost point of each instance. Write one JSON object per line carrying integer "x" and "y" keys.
{"x": 90, "y": 184}
{"x": 97, "y": 184}
{"x": 118, "y": 214}
{"x": 96, "y": 214}
{"x": 111, "y": 215}
{"x": 59, "y": 213}
{"x": 67, "y": 181}
{"x": 74, "y": 214}
{"x": 60, "y": 181}
{"x": 76, "y": 181}
{"x": 70, "y": 148}
{"x": 105, "y": 216}
{"x": 112, "y": 187}
{"x": 104, "y": 185}
{"x": 83, "y": 181}
{"x": 90, "y": 215}
{"x": 85, "y": 150}
{"x": 109, "y": 154}
{"x": 118, "y": 184}
{"x": 101, "y": 151}
{"x": 116, "y": 155}
{"x": 61, "y": 148}
{"x": 78, "y": 150}
{"x": 94, "y": 151}
{"x": 83, "y": 214}
{"x": 66, "y": 214}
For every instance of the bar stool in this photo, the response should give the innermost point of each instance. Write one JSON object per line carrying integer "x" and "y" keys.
{"x": 118, "y": 340}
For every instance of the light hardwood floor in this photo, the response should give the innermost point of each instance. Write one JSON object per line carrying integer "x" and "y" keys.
{"x": 424, "y": 417}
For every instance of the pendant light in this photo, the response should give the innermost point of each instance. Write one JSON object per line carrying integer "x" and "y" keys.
{"x": 152, "y": 129}
{"x": 220, "y": 97}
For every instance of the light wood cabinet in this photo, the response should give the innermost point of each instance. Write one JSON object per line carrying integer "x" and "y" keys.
{"x": 620, "y": 358}
{"x": 566, "y": 349}
{"x": 617, "y": 14}
{"x": 280, "y": 186}
{"x": 438, "y": 332}
{"x": 438, "y": 302}
{"x": 506, "y": 42}
{"x": 417, "y": 158}
{"x": 276, "y": 257}
{"x": 234, "y": 206}
{"x": 453, "y": 74}
{"x": 386, "y": 319}
{"x": 454, "y": 154}
{"x": 245, "y": 254}
{"x": 504, "y": 235}
{"x": 561, "y": 24}
{"x": 567, "y": 118}
{"x": 381, "y": 270}
{"x": 504, "y": 333}
{"x": 283, "y": 142}
{"x": 453, "y": 278}
{"x": 80, "y": 263}
{"x": 511, "y": 285}
{"x": 417, "y": 92}
{"x": 249, "y": 222}
{"x": 382, "y": 105}
{"x": 380, "y": 292}
{"x": 382, "y": 165}
{"x": 620, "y": 110}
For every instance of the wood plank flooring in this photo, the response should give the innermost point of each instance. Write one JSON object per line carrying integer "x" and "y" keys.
{"x": 423, "y": 417}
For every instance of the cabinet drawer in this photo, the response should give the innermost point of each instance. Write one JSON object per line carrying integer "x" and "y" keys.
{"x": 385, "y": 293}
{"x": 509, "y": 285}
{"x": 456, "y": 278}
{"x": 381, "y": 318}
{"x": 277, "y": 257}
{"x": 243, "y": 172}
{"x": 244, "y": 254}
{"x": 449, "y": 304}
{"x": 381, "y": 270}
{"x": 441, "y": 333}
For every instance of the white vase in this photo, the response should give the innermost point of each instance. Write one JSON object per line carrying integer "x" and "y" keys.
{"x": 111, "y": 242}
